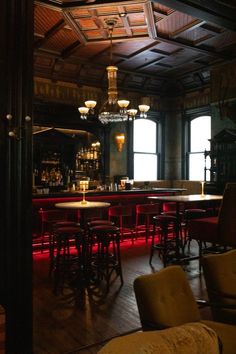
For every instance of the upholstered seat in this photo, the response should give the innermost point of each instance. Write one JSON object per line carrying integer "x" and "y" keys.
{"x": 210, "y": 226}
{"x": 98, "y": 222}
{"x": 197, "y": 336}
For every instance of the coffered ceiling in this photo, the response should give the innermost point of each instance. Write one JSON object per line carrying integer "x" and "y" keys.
{"x": 158, "y": 46}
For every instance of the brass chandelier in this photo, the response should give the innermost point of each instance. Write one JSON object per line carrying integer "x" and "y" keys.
{"x": 113, "y": 110}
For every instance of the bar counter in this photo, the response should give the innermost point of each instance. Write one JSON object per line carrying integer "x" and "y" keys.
{"x": 132, "y": 197}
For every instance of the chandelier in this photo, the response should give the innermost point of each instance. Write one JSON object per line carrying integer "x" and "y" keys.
{"x": 113, "y": 110}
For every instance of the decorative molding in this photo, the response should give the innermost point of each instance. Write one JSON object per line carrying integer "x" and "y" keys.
{"x": 197, "y": 99}
{"x": 69, "y": 93}
{"x": 65, "y": 92}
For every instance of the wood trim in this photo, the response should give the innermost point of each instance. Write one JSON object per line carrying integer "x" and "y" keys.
{"x": 212, "y": 11}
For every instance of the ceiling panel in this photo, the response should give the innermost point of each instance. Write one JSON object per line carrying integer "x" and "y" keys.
{"x": 150, "y": 40}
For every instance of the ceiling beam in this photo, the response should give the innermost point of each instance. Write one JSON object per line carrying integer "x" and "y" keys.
{"x": 187, "y": 28}
{"x": 148, "y": 11}
{"x": 185, "y": 44}
{"x": 49, "y": 4}
{"x": 125, "y": 21}
{"x": 68, "y": 51}
{"x": 210, "y": 11}
{"x": 50, "y": 33}
{"x": 150, "y": 63}
{"x": 212, "y": 29}
{"x": 74, "y": 27}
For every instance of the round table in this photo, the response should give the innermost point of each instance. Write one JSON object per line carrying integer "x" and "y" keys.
{"x": 82, "y": 206}
{"x": 83, "y": 276}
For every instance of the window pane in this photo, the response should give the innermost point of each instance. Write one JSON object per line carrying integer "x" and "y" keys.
{"x": 196, "y": 167}
{"x": 144, "y": 136}
{"x": 200, "y": 133}
{"x": 145, "y": 167}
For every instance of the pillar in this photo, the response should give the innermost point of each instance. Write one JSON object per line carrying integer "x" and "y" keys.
{"x": 16, "y": 93}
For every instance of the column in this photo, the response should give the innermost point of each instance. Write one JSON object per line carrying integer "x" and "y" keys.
{"x": 16, "y": 92}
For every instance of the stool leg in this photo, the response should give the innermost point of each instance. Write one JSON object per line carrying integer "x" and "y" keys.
{"x": 165, "y": 242}
{"x": 119, "y": 270}
{"x": 200, "y": 254}
{"x": 51, "y": 252}
{"x": 152, "y": 244}
{"x": 57, "y": 266}
{"x": 177, "y": 231}
{"x": 147, "y": 223}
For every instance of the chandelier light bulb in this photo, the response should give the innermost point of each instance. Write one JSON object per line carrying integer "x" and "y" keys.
{"x": 90, "y": 104}
{"x": 123, "y": 103}
{"x": 83, "y": 112}
{"x": 143, "y": 110}
{"x": 132, "y": 113}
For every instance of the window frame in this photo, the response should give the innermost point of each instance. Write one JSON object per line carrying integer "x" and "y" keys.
{"x": 157, "y": 148}
{"x": 190, "y": 115}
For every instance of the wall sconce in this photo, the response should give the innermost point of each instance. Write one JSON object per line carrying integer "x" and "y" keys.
{"x": 119, "y": 140}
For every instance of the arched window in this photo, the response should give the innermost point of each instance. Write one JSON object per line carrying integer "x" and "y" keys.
{"x": 199, "y": 162}
{"x": 145, "y": 150}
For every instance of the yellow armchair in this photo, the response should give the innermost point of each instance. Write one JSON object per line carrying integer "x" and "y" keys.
{"x": 220, "y": 276}
{"x": 165, "y": 299}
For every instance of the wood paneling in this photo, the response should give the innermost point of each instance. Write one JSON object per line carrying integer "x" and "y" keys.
{"x": 150, "y": 39}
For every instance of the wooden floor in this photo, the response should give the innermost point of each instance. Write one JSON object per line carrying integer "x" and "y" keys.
{"x": 72, "y": 322}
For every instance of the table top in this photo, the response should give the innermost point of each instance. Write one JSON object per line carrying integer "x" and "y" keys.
{"x": 82, "y": 205}
{"x": 187, "y": 198}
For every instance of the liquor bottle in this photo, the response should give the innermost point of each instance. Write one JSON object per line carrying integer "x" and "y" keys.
{"x": 88, "y": 154}
{"x": 92, "y": 154}
{"x": 95, "y": 154}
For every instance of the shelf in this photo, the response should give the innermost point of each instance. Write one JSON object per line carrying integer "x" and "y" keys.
{"x": 48, "y": 162}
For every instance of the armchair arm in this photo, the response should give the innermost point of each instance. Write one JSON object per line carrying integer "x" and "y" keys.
{"x": 224, "y": 295}
{"x": 204, "y": 303}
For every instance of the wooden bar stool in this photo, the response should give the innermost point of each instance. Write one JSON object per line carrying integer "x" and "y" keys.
{"x": 122, "y": 217}
{"x": 48, "y": 219}
{"x": 180, "y": 216}
{"x": 104, "y": 254}
{"x": 92, "y": 237}
{"x": 68, "y": 264}
{"x": 168, "y": 245}
{"x": 144, "y": 212}
{"x": 52, "y": 240}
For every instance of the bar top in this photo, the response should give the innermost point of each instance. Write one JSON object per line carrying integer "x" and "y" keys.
{"x": 106, "y": 192}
